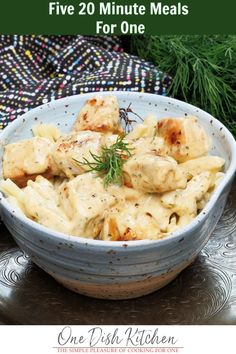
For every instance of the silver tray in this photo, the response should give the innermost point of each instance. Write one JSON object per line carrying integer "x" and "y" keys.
{"x": 204, "y": 293}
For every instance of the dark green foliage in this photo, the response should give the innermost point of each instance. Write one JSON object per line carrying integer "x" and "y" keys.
{"x": 203, "y": 69}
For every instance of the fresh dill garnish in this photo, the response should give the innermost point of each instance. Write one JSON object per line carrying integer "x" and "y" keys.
{"x": 110, "y": 161}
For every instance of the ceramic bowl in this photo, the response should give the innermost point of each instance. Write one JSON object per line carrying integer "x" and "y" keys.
{"x": 118, "y": 270}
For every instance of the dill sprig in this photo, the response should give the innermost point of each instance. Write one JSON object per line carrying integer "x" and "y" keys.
{"x": 203, "y": 69}
{"x": 110, "y": 161}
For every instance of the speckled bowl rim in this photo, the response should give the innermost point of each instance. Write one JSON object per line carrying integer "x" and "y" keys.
{"x": 185, "y": 231}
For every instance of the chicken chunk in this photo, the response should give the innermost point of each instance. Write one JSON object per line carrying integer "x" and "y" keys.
{"x": 153, "y": 174}
{"x": 145, "y": 219}
{"x": 185, "y": 138}
{"x": 154, "y": 145}
{"x": 100, "y": 114}
{"x": 124, "y": 194}
{"x": 71, "y": 150}
{"x": 85, "y": 199}
{"x": 124, "y": 223}
{"x": 26, "y": 159}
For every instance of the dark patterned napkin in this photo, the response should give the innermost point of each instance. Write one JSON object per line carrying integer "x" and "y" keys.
{"x": 37, "y": 69}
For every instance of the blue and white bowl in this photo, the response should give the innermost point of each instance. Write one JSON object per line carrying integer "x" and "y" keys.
{"x": 118, "y": 270}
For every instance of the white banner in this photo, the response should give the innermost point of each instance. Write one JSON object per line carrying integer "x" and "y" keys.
{"x": 118, "y": 339}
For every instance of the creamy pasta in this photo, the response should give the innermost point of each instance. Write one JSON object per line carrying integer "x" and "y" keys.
{"x": 161, "y": 180}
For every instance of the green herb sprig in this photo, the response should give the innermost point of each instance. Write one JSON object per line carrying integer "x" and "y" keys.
{"x": 110, "y": 162}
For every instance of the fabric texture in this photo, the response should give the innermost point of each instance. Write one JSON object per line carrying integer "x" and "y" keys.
{"x": 37, "y": 69}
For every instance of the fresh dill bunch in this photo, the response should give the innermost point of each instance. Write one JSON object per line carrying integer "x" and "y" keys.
{"x": 110, "y": 161}
{"x": 202, "y": 67}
